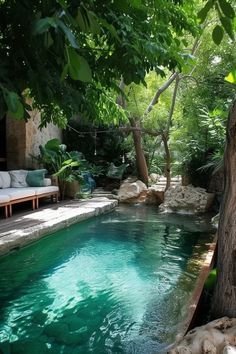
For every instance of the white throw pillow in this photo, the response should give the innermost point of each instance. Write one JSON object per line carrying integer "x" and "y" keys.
{"x": 5, "y": 179}
{"x": 18, "y": 178}
{"x": 47, "y": 182}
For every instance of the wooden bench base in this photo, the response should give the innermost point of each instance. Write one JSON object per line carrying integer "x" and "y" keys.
{"x": 35, "y": 202}
{"x": 53, "y": 195}
{"x": 5, "y": 206}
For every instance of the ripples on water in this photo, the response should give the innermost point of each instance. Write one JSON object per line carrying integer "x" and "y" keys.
{"x": 115, "y": 284}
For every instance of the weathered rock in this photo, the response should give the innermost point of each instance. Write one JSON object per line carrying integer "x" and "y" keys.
{"x": 154, "y": 196}
{"x": 216, "y": 337}
{"x": 229, "y": 350}
{"x": 131, "y": 189}
{"x": 187, "y": 199}
{"x": 154, "y": 177}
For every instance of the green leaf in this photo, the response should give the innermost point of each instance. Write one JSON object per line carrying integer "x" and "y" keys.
{"x": 63, "y": 3}
{"x": 44, "y": 24}
{"x": 48, "y": 41}
{"x": 64, "y": 72}
{"x": 94, "y": 25}
{"x": 227, "y": 9}
{"x": 14, "y": 105}
{"x": 231, "y": 77}
{"x": 70, "y": 36}
{"x": 227, "y": 24}
{"x": 211, "y": 279}
{"x": 79, "y": 68}
{"x": 136, "y": 3}
{"x": 217, "y": 34}
{"x": 202, "y": 14}
{"x": 11, "y": 99}
{"x": 88, "y": 21}
{"x": 82, "y": 20}
{"x": 19, "y": 114}
{"x": 52, "y": 144}
{"x": 110, "y": 28}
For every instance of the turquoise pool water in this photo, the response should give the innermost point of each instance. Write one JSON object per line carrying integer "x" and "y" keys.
{"x": 118, "y": 283}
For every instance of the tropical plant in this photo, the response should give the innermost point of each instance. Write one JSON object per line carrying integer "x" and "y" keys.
{"x": 67, "y": 166}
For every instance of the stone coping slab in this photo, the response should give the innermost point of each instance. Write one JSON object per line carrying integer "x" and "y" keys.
{"x": 25, "y": 228}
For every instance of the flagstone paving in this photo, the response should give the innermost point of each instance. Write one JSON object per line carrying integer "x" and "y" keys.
{"x": 26, "y": 227}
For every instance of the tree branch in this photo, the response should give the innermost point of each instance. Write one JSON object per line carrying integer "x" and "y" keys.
{"x": 160, "y": 90}
{"x": 173, "y": 101}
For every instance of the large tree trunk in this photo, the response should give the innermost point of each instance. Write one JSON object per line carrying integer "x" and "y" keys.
{"x": 224, "y": 300}
{"x": 141, "y": 163}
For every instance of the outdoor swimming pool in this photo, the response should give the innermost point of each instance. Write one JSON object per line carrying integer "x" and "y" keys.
{"x": 118, "y": 283}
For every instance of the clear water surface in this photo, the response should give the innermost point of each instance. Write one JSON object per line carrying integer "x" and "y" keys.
{"x": 118, "y": 283}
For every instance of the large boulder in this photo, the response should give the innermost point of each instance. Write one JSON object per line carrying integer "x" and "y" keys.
{"x": 216, "y": 337}
{"x": 132, "y": 191}
{"x": 187, "y": 199}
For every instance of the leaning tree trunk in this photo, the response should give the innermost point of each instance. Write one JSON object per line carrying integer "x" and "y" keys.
{"x": 141, "y": 162}
{"x": 224, "y": 300}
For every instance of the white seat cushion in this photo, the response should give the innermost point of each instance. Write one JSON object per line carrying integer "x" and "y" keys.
{"x": 18, "y": 193}
{"x": 42, "y": 190}
{"x": 4, "y": 199}
{"x": 5, "y": 191}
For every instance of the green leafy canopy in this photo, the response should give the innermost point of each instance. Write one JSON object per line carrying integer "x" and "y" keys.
{"x": 61, "y": 50}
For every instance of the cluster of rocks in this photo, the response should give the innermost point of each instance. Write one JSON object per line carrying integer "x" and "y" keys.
{"x": 216, "y": 337}
{"x": 181, "y": 199}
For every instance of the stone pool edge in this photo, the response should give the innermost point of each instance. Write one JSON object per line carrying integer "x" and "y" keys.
{"x": 50, "y": 219}
{"x": 194, "y": 302}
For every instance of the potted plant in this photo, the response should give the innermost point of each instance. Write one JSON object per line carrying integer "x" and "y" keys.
{"x": 68, "y": 167}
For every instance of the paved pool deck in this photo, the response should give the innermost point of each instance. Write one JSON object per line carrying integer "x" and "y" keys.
{"x": 26, "y": 227}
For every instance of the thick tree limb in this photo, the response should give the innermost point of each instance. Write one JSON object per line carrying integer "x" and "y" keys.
{"x": 160, "y": 90}
{"x": 173, "y": 101}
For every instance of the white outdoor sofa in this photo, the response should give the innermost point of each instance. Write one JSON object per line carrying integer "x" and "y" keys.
{"x": 10, "y": 194}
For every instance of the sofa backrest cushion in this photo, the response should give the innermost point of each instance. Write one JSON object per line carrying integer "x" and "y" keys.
{"x": 18, "y": 178}
{"x": 5, "y": 179}
{"x": 36, "y": 178}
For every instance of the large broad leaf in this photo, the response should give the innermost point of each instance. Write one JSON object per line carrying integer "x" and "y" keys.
{"x": 70, "y": 36}
{"x": 217, "y": 34}
{"x": 14, "y": 105}
{"x": 231, "y": 77}
{"x": 227, "y": 9}
{"x": 78, "y": 67}
{"x": 11, "y": 99}
{"x": 44, "y": 24}
{"x": 88, "y": 21}
{"x": 202, "y": 14}
{"x": 19, "y": 114}
{"x": 53, "y": 144}
{"x": 228, "y": 26}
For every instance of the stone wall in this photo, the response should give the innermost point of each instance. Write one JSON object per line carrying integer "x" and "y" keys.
{"x": 23, "y": 139}
{"x": 36, "y": 137}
